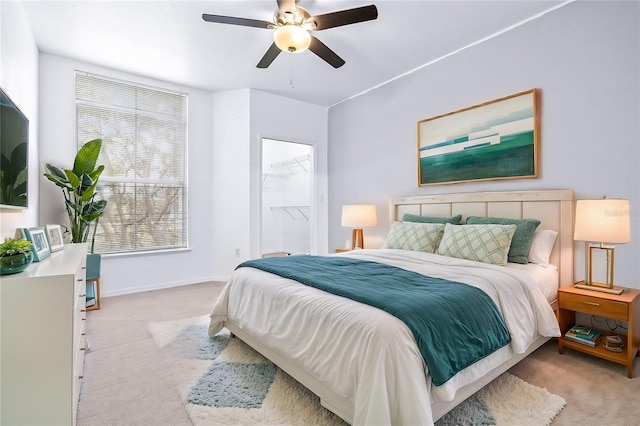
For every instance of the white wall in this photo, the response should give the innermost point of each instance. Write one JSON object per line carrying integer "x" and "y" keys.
{"x": 230, "y": 188}
{"x": 585, "y": 60}
{"x": 19, "y": 80}
{"x": 130, "y": 273}
{"x": 237, "y": 160}
{"x": 280, "y": 118}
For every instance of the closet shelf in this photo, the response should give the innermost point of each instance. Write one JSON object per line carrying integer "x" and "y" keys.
{"x": 293, "y": 166}
{"x": 293, "y": 212}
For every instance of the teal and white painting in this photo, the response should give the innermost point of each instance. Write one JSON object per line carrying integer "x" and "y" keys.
{"x": 493, "y": 140}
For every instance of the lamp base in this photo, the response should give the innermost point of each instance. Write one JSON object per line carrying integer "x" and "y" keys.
{"x": 357, "y": 240}
{"x": 615, "y": 290}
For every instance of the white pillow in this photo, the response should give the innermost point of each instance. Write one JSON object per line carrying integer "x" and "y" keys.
{"x": 482, "y": 243}
{"x": 541, "y": 246}
{"x": 414, "y": 236}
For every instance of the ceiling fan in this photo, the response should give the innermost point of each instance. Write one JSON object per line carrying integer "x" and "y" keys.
{"x": 292, "y": 24}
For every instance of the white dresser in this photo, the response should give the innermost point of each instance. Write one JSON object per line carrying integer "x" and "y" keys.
{"x": 42, "y": 340}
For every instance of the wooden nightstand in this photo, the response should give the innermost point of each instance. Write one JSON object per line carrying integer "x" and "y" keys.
{"x": 623, "y": 307}
{"x": 342, "y": 250}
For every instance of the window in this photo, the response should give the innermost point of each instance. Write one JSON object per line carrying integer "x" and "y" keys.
{"x": 144, "y": 143}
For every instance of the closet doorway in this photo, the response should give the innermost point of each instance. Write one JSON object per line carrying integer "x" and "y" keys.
{"x": 287, "y": 179}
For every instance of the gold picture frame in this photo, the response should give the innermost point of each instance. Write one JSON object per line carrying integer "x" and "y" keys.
{"x": 493, "y": 140}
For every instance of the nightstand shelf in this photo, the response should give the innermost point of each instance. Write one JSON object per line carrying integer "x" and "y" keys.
{"x": 624, "y": 307}
{"x": 599, "y": 350}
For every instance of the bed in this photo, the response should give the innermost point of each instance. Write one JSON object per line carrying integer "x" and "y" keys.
{"x": 364, "y": 363}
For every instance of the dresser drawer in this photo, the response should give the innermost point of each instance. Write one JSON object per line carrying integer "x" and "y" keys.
{"x": 594, "y": 306}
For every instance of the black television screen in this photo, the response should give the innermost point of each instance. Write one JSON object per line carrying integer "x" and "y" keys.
{"x": 14, "y": 150}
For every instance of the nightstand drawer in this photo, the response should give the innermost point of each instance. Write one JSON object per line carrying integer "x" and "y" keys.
{"x": 594, "y": 306}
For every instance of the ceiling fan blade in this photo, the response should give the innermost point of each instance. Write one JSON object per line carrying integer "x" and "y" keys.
{"x": 268, "y": 57}
{"x": 236, "y": 21}
{"x": 343, "y": 17}
{"x": 321, "y": 49}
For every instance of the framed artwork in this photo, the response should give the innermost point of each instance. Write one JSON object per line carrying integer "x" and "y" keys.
{"x": 493, "y": 140}
{"x": 14, "y": 152}
{"x": 54, "y": 236}
{"x": 38, "y": 237}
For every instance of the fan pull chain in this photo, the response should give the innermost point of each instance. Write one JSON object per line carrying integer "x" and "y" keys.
{"x": 291, "y": 71}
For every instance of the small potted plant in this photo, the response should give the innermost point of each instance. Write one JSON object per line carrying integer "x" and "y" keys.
{"x": 15, "y": 256}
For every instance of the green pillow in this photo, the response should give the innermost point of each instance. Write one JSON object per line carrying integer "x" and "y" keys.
{"x": 454, "y": 220}
{"x": 521, "y": 242}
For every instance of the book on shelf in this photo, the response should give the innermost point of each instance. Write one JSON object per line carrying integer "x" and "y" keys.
{"x": 580, "y": 329}
{"x": 585, "y": 335}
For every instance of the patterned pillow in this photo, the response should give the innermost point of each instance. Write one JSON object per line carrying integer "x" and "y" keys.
{"x": 525, "y": 229}
{"x": 414, "y": 236}
{"x": 482, "y": 243}
{"x": 454, "y": 220}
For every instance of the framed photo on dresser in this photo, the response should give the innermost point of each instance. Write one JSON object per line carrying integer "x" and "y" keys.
{"x": 38, "y": 237}
{"x": 54, "y": 235}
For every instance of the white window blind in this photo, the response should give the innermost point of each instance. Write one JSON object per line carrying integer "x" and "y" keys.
{"x": 144, "y": 144}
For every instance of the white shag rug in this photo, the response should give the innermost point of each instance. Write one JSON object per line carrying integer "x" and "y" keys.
{"x": 224, "y": 382}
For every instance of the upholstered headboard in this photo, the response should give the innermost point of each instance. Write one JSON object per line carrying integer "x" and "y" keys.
{"x": 554, "y": 209}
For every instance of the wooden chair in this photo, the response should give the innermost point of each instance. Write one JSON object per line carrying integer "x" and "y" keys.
{"x": 93, "y": 281}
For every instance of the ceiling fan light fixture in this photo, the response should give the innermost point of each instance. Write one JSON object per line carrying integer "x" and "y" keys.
{"x": 292, "y": 38}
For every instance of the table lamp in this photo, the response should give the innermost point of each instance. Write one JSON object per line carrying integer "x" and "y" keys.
{"x": 604, "y": 221}
{"x": 358, "y": 216}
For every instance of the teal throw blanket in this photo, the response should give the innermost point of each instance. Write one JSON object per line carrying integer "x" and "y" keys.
{"x": 454, "y": 324}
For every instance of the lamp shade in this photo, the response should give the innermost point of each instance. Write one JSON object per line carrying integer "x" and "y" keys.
{"x": 292, "y": 38}
{"x": 359, "y": 215}
{"x": 605, "y": 220}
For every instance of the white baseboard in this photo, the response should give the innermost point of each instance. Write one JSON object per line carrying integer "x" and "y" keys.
{"x": 160, "y": 286}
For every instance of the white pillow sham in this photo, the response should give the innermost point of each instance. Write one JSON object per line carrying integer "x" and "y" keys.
{"x": 487, "y": 243}
{"x": 414, "y": 236}
{"x": 541, "y": 246}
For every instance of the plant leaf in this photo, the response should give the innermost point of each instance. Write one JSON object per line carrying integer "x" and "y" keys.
{"x": 91, "y": 217}
{"x": 99, "y": 206}
{"x": 62, "y": 183}
{"x": 88, "y": 193}
{"x": 55, "y": 171}
{"x": 96, "y": 174}
{"x": 86, "y": 158}
{"x": 74, "y": 181}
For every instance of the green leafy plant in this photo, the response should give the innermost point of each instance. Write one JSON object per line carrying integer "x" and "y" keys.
{"x": 79, "y": 189}
{"x": 14, "y": 246}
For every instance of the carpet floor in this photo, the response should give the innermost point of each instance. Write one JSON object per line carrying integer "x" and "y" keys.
{"x": 127, "y": 379}
{"x": 228, "y": 383}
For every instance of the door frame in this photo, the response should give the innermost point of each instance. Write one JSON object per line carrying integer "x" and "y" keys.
{"x": 313, "y": 182}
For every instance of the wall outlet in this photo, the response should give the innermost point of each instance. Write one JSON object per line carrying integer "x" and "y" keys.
{"x": 237, "y": 252}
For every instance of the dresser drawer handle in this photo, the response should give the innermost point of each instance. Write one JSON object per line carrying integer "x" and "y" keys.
{"x": 83, "y": 310}
{"x": 591, "y": 303}
{"x": 80, "y": 279}
{"x": 83, "y": 295}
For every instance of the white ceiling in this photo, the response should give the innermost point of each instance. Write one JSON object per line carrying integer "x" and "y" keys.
{"x": 169, "y": 41}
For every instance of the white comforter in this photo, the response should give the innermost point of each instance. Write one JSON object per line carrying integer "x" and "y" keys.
{"x": 365, "y": 354}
